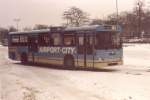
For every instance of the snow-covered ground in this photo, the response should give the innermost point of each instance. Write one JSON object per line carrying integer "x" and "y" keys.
{"x": 130, "y": 81}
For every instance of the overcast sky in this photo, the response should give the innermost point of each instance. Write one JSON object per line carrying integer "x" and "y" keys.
{"x": 49, "y": 12}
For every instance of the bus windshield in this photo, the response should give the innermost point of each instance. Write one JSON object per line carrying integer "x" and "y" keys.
{"x": 108, "y": 40}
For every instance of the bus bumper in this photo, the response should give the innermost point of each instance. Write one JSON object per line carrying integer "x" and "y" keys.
{"x": 98, "y": 64}
{"x": 106, "y": 64}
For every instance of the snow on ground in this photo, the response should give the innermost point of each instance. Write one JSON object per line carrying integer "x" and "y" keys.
{"x": 137, "y": 55}
{"x": 125, "y": 82}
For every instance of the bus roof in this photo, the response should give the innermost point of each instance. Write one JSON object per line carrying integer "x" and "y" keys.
{"x": 97, "y": 28}
{"x": 32, "y": 32}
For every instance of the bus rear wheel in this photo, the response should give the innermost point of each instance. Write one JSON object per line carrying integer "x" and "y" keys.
{"x": 24, "y": 58}
{"x": 69, "y": 62}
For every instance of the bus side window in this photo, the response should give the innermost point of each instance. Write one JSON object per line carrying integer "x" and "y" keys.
{"x": 46, "y": 39}
{"x": 80, "y": 44}
{"x": 56, "y": 39}
{"x": 69, "y": 40}
{"x": 89, "y": 44}
{"x": 23, "y": 40}
{"x": 15, "y": 40}
{"x": 81, "y": 41}
{"x": 51, "y": 41}
{"x": 43, "y": 39}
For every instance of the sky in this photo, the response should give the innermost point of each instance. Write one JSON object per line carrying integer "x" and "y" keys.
{"x": 49, "y": 12}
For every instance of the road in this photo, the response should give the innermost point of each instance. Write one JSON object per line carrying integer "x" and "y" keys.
{"x": 125, "y": 82}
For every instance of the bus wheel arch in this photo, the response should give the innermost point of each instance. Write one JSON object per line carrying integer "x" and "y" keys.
{"x": 24, "y": 58}
{"x": 69, "y": 61}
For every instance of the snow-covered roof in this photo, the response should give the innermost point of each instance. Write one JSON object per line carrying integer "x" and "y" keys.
{"x": 83, "y": 28}
{"x": 96, "y": 28}
{"x": 31, "y": 32}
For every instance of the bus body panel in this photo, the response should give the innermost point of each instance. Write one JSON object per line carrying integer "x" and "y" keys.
{"x": 109, "y": 55}
{"x": 101, "y": 58}
{"x": 13, "y": 53}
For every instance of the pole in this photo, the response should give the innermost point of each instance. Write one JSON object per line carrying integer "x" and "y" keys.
{"x": 17, "y": 20}
{"x": 139, "y": 31}
{"x": 117, "y": 12}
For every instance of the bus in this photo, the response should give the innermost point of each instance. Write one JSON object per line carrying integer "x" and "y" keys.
{"x": 92, "y": 46}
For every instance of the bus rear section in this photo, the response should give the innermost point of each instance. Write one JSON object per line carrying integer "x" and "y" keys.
{"x": 108, "y": 48}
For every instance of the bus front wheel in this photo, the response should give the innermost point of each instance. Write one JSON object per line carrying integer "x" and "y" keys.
{"x": 24, "y": 58}
{"x": 69, "y": 62}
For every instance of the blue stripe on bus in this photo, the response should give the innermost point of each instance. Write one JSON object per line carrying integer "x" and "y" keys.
{"x": 22, "y": 49}
{"x": 104, "y": 54}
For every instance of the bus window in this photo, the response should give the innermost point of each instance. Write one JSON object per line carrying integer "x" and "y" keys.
{"x": 85, "y": 44}
{"x": 33, "y": 44}
{"x": 23, "y": 40}
{"x": 46, "y": 39}
{"x": 43, "y": 39}
{"x": 89, "y": 44}
{"x": 56, "y": 39}
{"x": 103, "y": 40}
{"x": 15, "y": 40}
{"x": 89, "y": 40}
{"x": 81, "y": 46}
{"x": 69, "y": 40}
{"x": 81, "y": 41}
{"x": 107, "y": 40}
{"x": 116, "y": 40}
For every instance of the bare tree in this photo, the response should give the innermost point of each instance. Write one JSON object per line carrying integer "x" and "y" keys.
{"x": 75, "y": 16}
{"x": 3, "y": 35}
{"x": 139, "y": 11}
{"x": 27, "y": 29}
{"x": 40, "y": 26}
{"x": 12, "y": 29}
{"x": 97, "y": 22}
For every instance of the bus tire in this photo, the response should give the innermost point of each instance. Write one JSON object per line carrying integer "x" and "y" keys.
{"x": 69, "y": 61}
{"x": 24, "y": 58}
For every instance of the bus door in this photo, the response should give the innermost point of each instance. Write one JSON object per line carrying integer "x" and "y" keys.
{"x": 85, "y": 47}
{"x": 33, "y": 44}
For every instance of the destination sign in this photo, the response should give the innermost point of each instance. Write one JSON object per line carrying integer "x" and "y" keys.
{"x": 58, "y": 50}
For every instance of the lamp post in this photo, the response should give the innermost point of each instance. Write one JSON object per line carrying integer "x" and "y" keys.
{"x": 140, "y": 10}
{"x": 17, "y": 20}
{"x": 117, "y": 13}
